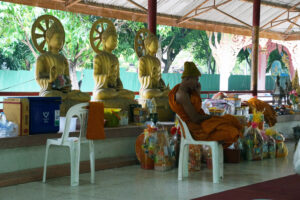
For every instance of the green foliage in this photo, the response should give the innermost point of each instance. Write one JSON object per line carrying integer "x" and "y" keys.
{"x": 16, "y": 48}
{"x": 274, "y": 55}
{"x": 243, "y": 60}
{"x": 173, "y": 40}
{"x": 17, "y": 58}
{"x": 199, "y": 47}
{"x": 244, "y": 55}
{"x": 126, "y": 33}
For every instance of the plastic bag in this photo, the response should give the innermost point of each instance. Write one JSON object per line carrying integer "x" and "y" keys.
{"x": 297, "y": 159}
{"x": 265, "y": 147}
{"x": 163, "y": 160}
{"x": 7, "y": 129}
{"x": 281, "y": 149}
{"x": 272, "y": 147}
{"x": 253, "y": 144}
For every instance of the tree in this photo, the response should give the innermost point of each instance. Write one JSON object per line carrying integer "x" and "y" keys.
{"x": 15, "y": 41}
{"x": 126, "y": 33}
{"x": 171, "y": 41}
{"x": 198, "y": 43}
{"x": 242, "y": 56}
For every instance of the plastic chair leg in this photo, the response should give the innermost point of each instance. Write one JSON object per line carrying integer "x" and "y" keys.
{"x": 180, "y": 164}
{"x": 185, "y": 161}
{"x": 215, "y": 162}
{"x": 45, "y": 162}
{"x": 221, "y": 161}
{"x": 75, "y": 157}
{"x": 92, "y": 161}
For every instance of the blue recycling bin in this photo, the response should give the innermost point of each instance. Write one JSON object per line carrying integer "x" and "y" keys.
{"x": 44, "y": 113}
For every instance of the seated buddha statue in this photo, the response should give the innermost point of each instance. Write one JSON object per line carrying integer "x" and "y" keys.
{"x": 152, "y": 85}
{"x": 108, "y": 85}
{"x": 52, "y": 71}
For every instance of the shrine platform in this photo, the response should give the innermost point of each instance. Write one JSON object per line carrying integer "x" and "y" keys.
{"x": 22, "y": 157}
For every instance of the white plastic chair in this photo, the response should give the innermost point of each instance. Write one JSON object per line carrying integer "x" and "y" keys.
{"x": 186, "y": 140}
{"x": 81, "y": 111}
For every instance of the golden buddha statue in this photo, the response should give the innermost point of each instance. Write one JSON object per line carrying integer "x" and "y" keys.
{"x": 52, "y": 68}
{"x": 152, "y": 85}
{"x": 108, "y": 85}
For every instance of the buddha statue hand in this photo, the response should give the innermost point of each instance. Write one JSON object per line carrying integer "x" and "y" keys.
{"x": 44, "y": 79}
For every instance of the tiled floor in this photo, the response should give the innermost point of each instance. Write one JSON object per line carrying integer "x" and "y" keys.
{"x": 135, "y": 183}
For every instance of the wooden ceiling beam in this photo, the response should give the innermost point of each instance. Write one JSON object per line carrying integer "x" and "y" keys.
{"x": 275, "y": 5}
{"x": 70, "y": 3}
{"x": 236, "y": 19}
{"x": 286, "y": 11}
{"x": 293, "y": 36}
{"x": 137, "y": 15}
{"x": 138, "y": 5}
{"x": 191, "y": 17}
{"x": 208, "y": 9}
{"x": 295, "y": 24}
{"x": 194, "y": 9}
{"x": 291, "y": 25}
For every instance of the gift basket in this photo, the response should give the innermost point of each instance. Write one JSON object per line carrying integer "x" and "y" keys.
{"x": 253, "y": 143}
{"x": 145, "y": 147}
{"x": 265, "y": 147}
{"x": 163, "y": 160}
{"x": 281, "y": 148}
{"x": 175, "y": 137}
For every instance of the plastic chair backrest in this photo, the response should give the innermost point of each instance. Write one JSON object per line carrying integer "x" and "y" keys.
{"x": 81, "y": 111}
{"x": 185, "y": 130}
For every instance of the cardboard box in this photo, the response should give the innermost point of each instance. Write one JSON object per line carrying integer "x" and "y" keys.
{"x": 12, "y": 111}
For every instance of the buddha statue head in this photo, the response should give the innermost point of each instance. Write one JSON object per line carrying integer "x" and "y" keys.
{"x": 151, "y": 44}
{"x": 109, "y": 39}
{"x": 55, "y": 37}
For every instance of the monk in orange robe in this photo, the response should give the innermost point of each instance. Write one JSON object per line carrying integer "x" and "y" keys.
{"x": 185, "y": 100}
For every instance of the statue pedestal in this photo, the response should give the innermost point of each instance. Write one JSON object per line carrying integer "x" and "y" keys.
{"x": 117, "y": 103}
{"x": 161, "y": 105}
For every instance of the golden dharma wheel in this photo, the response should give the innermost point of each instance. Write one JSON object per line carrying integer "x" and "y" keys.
{"x": 96, "y": 32}
{"x": 139, "y": 39}
{"x": 39, "y": 29}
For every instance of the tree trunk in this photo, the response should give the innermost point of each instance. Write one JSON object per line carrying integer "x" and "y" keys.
{"x": 167, "y": 66}
{"x": 159, "y": 53}
{"x": 214, "y": 68}
{"x": 209, "y": 64}
{"x": 168, "y": 63}
{"x": 73, "y": 76}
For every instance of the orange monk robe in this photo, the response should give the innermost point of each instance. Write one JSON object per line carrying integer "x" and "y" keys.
{"x": 226, "y": 128}
{"x": 270, "y": 115}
